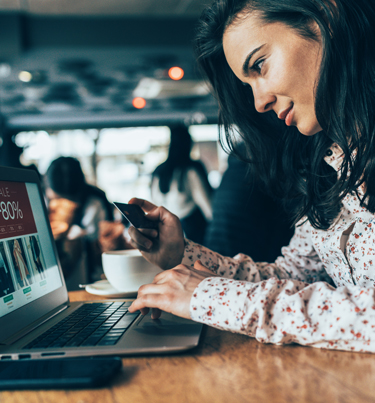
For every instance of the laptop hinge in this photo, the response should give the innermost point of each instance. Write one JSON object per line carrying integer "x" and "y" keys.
{"x": 33, "y": 326}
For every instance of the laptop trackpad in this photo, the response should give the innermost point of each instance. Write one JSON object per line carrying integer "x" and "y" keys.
{"x": 167, "y": 334}
{"x": 167, "y": 325}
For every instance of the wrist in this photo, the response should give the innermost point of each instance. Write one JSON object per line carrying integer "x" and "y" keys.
{"x": 178, "y": 256}
{"x": 182, "y": 252}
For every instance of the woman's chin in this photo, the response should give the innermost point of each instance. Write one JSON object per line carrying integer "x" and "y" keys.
{"x": 309, "y": 131}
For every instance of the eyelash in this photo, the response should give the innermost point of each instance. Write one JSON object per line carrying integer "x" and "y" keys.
{"x": 257, "y": 66}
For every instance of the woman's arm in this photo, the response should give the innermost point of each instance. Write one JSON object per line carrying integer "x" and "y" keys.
{"x": 284, "y": 302}
{"x": 289, "y": 301}
{"x": 299, "y": 261}
{"x": 289, "y": 311}
{"x": 280, "y": 311}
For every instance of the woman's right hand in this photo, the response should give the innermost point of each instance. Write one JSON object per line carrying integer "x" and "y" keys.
{"x": 164, "y": 248}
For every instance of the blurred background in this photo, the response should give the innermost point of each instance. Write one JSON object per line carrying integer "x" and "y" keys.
{"x": 102, "y": 82}
{"x": 104, "y": 100}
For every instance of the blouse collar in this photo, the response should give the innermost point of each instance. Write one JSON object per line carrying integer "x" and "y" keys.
{"x": 334, "y": 157}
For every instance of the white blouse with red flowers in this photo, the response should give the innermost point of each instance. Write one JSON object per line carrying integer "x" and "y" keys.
{"x": 320, "y": 292}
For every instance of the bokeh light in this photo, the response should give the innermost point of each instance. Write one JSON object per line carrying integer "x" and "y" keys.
{"x": 139, "y": 102}
{"x": 175, "y": 73}
{"x": 25, "y": 76}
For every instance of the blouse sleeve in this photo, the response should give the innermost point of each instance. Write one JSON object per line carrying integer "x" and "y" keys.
{"x": 289, "y": 301}
{"x": 299, "y": 261}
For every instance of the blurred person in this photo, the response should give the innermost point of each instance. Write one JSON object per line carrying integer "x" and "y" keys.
{"x": 113, "y": 236}
{"x": 180, "y": 184}
{"x": 75, "y": 210}
{"x": 245, "y": 218}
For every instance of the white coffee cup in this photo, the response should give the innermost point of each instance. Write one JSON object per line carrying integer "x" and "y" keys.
{"x": 127, "y": 270}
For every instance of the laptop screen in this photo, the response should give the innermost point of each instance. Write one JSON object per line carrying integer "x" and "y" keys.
{"x": 28, "y": 266}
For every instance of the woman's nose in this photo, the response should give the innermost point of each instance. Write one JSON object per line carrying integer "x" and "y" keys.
{"x": 263, "y": 101}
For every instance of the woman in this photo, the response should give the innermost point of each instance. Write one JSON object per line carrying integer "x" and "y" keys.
{"x": 65, "y": 179}
{"x": 81, "y": 207}
{"x": 180, "y": 184}
{"x": 296, "y": 79}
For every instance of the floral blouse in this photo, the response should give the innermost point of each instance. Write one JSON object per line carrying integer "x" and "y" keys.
{"x": 319, "y": 293}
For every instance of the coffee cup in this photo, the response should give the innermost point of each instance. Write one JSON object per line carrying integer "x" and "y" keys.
{"x": 127, "y": 270}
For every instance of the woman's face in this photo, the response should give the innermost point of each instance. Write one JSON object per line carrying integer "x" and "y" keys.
{"x": 280, "y": 66}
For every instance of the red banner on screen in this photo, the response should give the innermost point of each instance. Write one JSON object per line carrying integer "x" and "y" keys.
{"x": 16, "y": 216}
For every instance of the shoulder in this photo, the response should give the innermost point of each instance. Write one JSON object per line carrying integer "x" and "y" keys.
{"x": 193, "y": 173}
{"x": 197, "y": 168}
{"x": 159, "y": 169}
{"x": 93, "y": 191}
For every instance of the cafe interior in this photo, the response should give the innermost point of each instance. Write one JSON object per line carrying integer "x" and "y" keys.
{"x": 103, "y": 82}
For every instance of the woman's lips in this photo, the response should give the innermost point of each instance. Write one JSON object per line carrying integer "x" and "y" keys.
{"x": 286, "y": 115}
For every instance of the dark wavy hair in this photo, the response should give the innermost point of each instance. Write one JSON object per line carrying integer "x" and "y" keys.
{"x": 66, "y": 178}
{"x": 291, "y": 164}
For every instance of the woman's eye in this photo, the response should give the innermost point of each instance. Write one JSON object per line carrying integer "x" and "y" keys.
{"x": 257, "y": 66}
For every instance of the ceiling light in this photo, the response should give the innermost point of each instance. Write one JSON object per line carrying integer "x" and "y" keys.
{"x": 175, "y": 73}
{"x": 25, "y": 76}
{"x": 5, "y": 70}
{"x": 139, "y": 102}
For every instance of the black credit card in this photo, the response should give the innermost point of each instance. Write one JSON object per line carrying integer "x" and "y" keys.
{"x": 136, "y": 216}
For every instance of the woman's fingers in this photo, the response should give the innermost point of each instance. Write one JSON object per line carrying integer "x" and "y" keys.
{"x": 138, "y": 240}
{"x": 144, "y": 311}
{"x": 146, "y": 301}
{"x": 165, "y": 247}
{"x": 153, "y": 233}
{"x": 171, "y": 291}
{"x": 154, "y": 213}
{"x": 156, "y": 313}
{"x": 143, "y": 305}
{"x": 164, "y": 294}
{"x": 144, "y": 204}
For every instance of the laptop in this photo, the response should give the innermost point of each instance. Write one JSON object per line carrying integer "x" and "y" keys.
{"x": 36, "y": 318}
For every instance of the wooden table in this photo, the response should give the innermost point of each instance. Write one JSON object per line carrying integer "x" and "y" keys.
{"x": 228, "y": 368}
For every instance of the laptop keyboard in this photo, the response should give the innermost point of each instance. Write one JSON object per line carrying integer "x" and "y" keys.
{"x": 92, "y": 324}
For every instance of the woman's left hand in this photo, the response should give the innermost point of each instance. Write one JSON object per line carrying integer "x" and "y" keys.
{"x": 171, "y": 291}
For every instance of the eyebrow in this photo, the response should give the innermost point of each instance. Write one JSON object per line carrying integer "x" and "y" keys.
{"x": 245, "y": 66}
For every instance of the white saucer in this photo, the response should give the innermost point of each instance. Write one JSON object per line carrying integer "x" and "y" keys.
{"x": 105, "y": 289}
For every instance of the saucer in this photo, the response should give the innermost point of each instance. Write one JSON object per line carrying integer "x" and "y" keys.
{"x": 104, "y": 288}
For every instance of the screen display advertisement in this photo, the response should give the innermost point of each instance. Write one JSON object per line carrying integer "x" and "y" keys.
{"x": 28, "y": 266}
